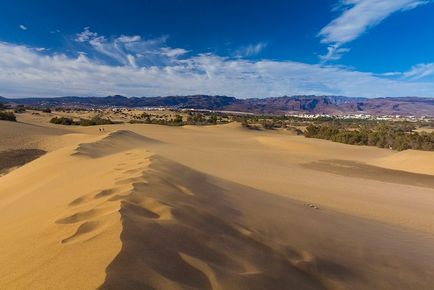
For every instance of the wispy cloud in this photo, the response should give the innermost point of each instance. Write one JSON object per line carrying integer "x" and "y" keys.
{"x": 129, "y": 50}
{"x": 251, "y": 50}
{"x": 22, "y": 27}
{"x": 334, "y": 52}
{"x": 420, "y": 71}
{"x": 115, "y": 65}
{"x": 86, "y": 35}
{"x": 357, "y": 17}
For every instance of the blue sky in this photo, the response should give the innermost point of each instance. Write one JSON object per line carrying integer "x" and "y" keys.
{"x": 366, "y": 48}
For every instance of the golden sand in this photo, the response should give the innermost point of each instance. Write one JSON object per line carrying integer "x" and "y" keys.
{"x": 218, "y": 207}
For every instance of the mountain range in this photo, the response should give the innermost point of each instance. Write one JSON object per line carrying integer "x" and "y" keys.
{"x": 309, "y": 104}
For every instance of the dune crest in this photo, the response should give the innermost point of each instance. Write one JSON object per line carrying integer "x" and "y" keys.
{"x": 112, "y": 143}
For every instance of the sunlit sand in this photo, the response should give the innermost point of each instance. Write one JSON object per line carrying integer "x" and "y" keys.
{"x": 212, "y": 207}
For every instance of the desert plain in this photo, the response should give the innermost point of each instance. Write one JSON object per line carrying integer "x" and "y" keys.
{"x": 136, "y": 206}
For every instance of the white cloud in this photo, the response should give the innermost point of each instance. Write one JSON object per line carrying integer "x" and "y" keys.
{"x": 420, "y": 71}
{"x": 128, "y": 39}
{"x": 334, "y": 52}
{"x": 251, "y": 50}
{"x": 173, "y": 52}
{"x": 28, "y": 72}
{"x": 86, "y": 35}
{"x": 390, "y": 74}
{"x": 129, "y": 50}
{"x": 360, "y": 15}
{"x": 22, "y": 27}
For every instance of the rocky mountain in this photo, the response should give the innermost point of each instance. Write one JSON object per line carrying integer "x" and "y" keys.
{"x": 278, "y": 105}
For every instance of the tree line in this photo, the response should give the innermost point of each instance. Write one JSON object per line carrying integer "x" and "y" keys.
{"x": 382, "y": 136}
{"x": 95, "y": 121}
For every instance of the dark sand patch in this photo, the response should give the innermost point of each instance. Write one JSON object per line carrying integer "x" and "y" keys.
{"x": 104, "y": 193}
{"x": 85, "y": 228}
{"x": 17, "y": 157}
{"x": 361, "y": 170}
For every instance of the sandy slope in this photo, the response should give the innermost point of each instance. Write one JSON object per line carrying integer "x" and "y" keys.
{"x": 153, "y": 207}
{"x": 419, "y": 161}
{"x": 52, "y": 206}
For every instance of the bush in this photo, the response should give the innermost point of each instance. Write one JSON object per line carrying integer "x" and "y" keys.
{"x": 177, "y": 119}
{"x": 19, "y": 109}
{"x": 8, "y": 116}
{"x": 62, "y": 121}
{"x": 83, "y": 122}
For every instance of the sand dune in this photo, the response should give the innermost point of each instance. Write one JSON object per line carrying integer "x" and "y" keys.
{"x": 221, "y": 235}
{"x": 154, "y": 207}
{"x": 417, "y": 161}
{"x": 23, "y": 135}
{"x": 14, "y": 158}
{"x": 114, "y": 142}
{"x": 181, "y": 232}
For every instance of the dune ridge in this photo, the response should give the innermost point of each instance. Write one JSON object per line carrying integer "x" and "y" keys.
{"x": 112, "y": 143}
{"x": 179, "y": 232}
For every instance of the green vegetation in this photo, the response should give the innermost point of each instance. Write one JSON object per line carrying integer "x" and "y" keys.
{"x": 19, "y": 109}
{"x": 194, "y": 118}
{"x": 191, "y": 118}
{"x": 267, "y": 123}
{"x": 156, "y": 120}
{"x": 383, "y": 136}
{"x": 63, "y": 121}
{"x": 7, "y": 116}
{"x": 397, "y": 135}
{"x": 95, "y": 121}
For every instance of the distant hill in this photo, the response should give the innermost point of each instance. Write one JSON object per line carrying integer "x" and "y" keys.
{"x": 278, "y": 105}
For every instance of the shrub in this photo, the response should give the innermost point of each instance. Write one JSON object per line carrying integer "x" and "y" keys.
{"x": 19, "y": 109}
{"x": 62, "y": 121}
{"x": 83, "y": 122}
{"x": 8, "y": 116}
